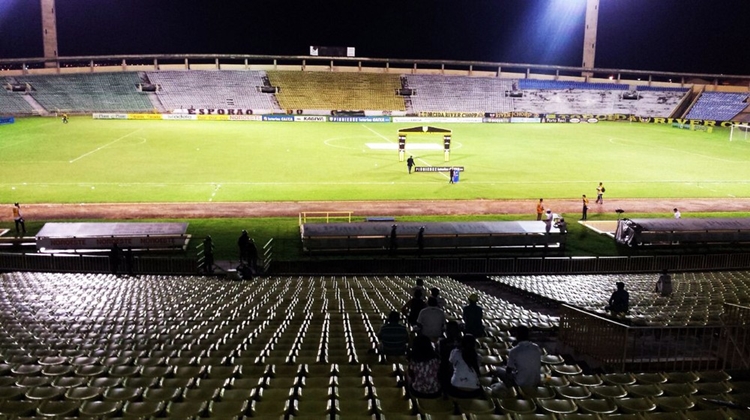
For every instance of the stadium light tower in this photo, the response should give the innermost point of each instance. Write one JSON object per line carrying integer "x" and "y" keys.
{"x": 589, "y": 36}
{"x": 49, "y": 31}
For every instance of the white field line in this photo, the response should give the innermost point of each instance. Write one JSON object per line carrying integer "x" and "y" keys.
{"x": 103, "y": 146}
{"x": 213, "y": 194}
{"x": 391, "y": 141}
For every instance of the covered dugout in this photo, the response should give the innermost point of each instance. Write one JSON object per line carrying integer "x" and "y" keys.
{"x": 636, "y": 232}
{"x": 457, "y": 236}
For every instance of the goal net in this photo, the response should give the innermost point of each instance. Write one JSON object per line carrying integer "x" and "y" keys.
{"x": 739, "y": 132}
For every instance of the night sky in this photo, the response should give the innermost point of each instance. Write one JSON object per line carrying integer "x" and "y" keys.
{"x": 664, "y": 35}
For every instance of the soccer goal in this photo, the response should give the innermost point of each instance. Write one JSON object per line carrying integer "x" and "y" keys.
{"x": 739, "y": 132}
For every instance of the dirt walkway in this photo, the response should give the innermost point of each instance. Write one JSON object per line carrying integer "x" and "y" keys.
{"x": 368, "y": 208}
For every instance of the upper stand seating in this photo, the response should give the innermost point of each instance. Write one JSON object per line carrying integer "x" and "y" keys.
{"x": 326, "y": 91}
{"x": 97, "y": 92}
{"x": 211, "y": 89}
{"x": 719, "y": 106}
{"x": 12, "y": 103}
{"x": 437, "y": 93}
{"x": 568, "y": 97}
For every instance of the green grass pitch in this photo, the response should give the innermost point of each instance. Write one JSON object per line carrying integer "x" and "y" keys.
{"x": 87, "y": 161}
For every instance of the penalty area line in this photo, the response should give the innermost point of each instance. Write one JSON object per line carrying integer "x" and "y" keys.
{"x": 105, "y": 145}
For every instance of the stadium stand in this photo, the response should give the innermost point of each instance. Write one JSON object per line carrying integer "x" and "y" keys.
{"x": 337, "y": 91}
{"x": 186, "y": 347}
{"x": 13, "y": 103}
{"x": 212, "y": 89}
{"x": 538, "y": 84}
{"x": 459, "y": 93}
{"x": 98, "y": 92}
{"x": 719, "y": 106}
{"x": 697, "y": 299}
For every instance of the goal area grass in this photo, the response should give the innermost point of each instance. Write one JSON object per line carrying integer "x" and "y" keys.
{"x": 43, "y": 160}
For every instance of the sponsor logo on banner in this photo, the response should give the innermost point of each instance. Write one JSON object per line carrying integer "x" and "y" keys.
{"x": 212, "y": 117}
{"x": 180, "y": 117}
{"x": 220, "y": 111}
{"x": 309, "y": 118}
{"x": 451, "y": 114}
{"x": 438, "y": 168}
{"x": 436, "y": 120}
{"x": 525, "y": 120}
{"x": 360, "y": 119}
{"x": 144, "y": 116}
{"x": 278, "y": 118}
{"x": 98, "y": 116}
{"x": 495, "y": 120}
{"x": 245, "y": 118}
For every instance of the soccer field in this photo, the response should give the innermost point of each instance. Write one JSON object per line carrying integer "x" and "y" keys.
{"x": 90, "y": 161}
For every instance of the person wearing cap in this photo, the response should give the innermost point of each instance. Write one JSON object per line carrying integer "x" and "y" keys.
{"x": 619, "y": 301}
{"x": 393, "y": 336}
{"x": 472, "y": 315}
{"x": 524, "y": 362}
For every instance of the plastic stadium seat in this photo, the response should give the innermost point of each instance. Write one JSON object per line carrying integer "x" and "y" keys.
{"x": 44, "y": 393}
{"x": 573, "y": 392}
{"x": 475, "y": 405}
{"x": 714, "y": 376}
{"x": 635, "y": 405}
{"x": 674, "y": 403}
{"x": 83, "y": 393}
{"x": 586, "y": 380}
{"x": 516, "y": 406}
{"x": 650, "y": 378}
{"x": 436, "y": 406}
{"x": 704, "y": 388}
{"x": 162, "y": 394}
{"x": 578, "y": 416}
{"x": 681, "y": 377}
{"x": 12, "y": 392}
{"x": 122, "y": 394}
{"x": 9, "y": 408}
{"x": 679, "y": 389}
{"x": 717, "y": 414}
{"x": 564, "y": 369}
{"x": 64, "y": 408}
{"x": 228, "y": 408}
{"x": 650, "y": 390}
{"x": 185, "y": 409}
{"x": 557, "y": 406}
{"x": 102, "y": 409}
{"x": 597, "y": 406}
{"x": 663, "y": 416}
{"x": 34, "y": 381}
{"x": 69, "y": 381}
{"x": 609, "y": 391}
{"x": 537, "y": 393}
{"x": 142, "y": 408}
{"x": 618, "y": 378}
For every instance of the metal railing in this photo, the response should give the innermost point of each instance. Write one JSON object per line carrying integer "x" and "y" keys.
{"x": 621, "y": 347}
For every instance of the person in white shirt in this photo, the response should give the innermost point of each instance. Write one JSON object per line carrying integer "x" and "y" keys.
{"x": 677, "y": 214}
{"x": 664, "y": 284}
{"x": 465, "y": 361}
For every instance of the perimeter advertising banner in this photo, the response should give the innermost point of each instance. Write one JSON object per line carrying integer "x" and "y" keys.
{"x": 7, "y": 120}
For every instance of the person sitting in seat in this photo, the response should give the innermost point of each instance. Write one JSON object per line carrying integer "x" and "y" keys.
{"x": 422, "y": 373}
{"x": 524, "y": 362}
{"x": 619, "y": 301}
{"x": 664, "y": 284}
{"x": 465, "y": 361}
{"x": 393, "y": 336}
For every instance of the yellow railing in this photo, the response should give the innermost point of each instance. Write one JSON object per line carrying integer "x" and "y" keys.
{"x": 327, "y": 216}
